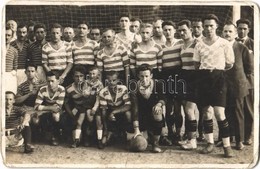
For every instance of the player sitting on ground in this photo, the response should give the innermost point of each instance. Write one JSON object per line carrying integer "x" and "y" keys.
{"x": 14, "y": 126}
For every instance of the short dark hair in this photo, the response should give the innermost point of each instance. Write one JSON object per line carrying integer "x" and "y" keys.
{"x": 111, "y": 73}
{"x": 79, "y": 68}
{"x": 50, "y": 73}
{"x": 211, "y": 16}
{"x": 39, "y": 25}
{"x": 91, "y": 68}
{"x": 230, "y": 23}
{"x": 124, "y": 15}
{"x": 136, "y": 19}
{"x": 185, "y": 22}
{"x": 21, "y": 25}
{"x": 169, "y": 23}
{"x": 84, "y": 22}
{"x": 56, "y": 25}
{"x": 30, "y": 64}
{"x": 31, "y": 23}
{"x": 197, "y": 20}
{"x": 243, "y": 21}
{"x": 9, "y": 92}
{"x": 144, "y": 67}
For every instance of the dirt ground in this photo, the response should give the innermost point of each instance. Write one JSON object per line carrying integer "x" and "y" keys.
{"x": 118, "y": 157}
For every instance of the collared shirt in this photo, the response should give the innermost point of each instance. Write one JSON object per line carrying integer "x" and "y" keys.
{"x": 125, "y": 41}
{"x": 22, "y": 53}
{"x": 24, "y": 89}
{"x": 145, "y": 91}
{"x": 57, "y": 59}
{"x": 85, "y": 55}
{"x": 121, "y": 98}
{"x": 114, "y": 62}
{"x": 214, "y": 56}
{"x": 153, "y": 57}
{"x": 171, "y": 55}
{"x": 44, "y": 99}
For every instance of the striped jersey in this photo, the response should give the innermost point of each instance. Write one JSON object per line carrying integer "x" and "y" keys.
{"x": 13, "y": 119}
{"x": 114, "y": 62}
{"x": 35, "y": 53}
{"x": 153, "y": 56}
{"x": 187, "y": 57}
{"x": 122, "y": 97}
{"x": 171, "y": 55}
{"x": 44, "y": 99}
{"x": 214, "y": 56}
{"x": 11, "y": 59}
{"x": 57, "y": 59}
{"x": 73, "y": 92}
{"x": 24, "y": 89}
{"x": 22, "y": 53}
{"x": 84, "y": 55}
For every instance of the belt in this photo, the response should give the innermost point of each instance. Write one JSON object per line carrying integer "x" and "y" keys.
{"x": 9, "y": 132}
{"x": 212, "y": 70}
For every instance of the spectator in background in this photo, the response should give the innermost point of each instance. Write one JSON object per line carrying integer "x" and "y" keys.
{"x": 11, "y": 57}
{"x": 13, "y": 25}
{"x": 68, "y": 34}
{"x": 21, "y": 45}
{"x": 243, "y": 28}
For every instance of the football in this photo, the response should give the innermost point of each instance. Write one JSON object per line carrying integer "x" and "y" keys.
{"x": 138, "y": 143}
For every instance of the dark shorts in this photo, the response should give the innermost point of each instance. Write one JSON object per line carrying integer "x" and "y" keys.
{"x": 212, "y": 88}
{"x": 170, "y": 78}
{"x": 187, "y": 85}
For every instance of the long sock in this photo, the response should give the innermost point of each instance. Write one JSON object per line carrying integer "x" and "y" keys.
{"x": 208, "y": 127}
{"x": 77, "y": 133}
{"x": 99, "y": 134}
{"x": 225, "y": 133}
{"x": 209, "y": 137}
{"x": 193, "y": 129}
{"x": 27, "y": 135}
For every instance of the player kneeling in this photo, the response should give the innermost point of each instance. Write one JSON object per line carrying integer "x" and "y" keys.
{"x": 115, "y": 110}
{"x": 149, "y": 103}
{"x": 82, "y": 94}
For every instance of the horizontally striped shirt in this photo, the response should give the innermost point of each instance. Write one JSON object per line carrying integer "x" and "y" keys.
{"x": 35, "y": 53}
{"x": 114, "y": 62}
{"x": 13, "y": 120}
{"x": 171, "y": 55}
{"x": 121, "y": 98}
{"x": 24, "y": 89}
{"x": 84, "y": 55}
{"x": 57, "y": 59}
{"x": 187, "y": 56}
{"x": 11, "y": 59}
{"x": 214, "y": 56}
{"x": 77, "y": 96}
{"x": 22, "y": 54}
{"x": 153, "y": 57}
{"x": 44, "y": 99}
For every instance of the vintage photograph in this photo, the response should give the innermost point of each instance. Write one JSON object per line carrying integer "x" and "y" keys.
{"x": 130, "y": 84}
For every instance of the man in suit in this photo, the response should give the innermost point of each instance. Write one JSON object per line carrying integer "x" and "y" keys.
{"x": 243, "y": 28}
{"x": 237, "y": 84}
